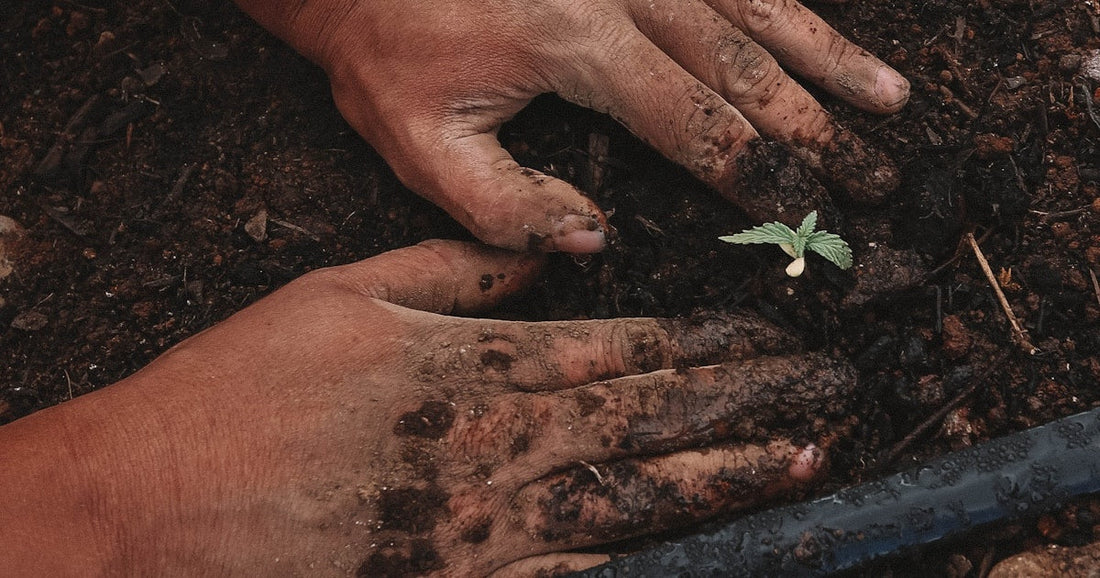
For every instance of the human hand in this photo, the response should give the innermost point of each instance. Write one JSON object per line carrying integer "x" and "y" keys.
{"x": 336, "y": 426}
{"x": 429, "y": 83}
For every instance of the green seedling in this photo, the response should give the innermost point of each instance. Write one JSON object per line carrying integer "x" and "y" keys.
{"x": 795, "y": 243}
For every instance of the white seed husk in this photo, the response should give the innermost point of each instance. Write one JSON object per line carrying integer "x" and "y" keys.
{"x": 796, "y": 267}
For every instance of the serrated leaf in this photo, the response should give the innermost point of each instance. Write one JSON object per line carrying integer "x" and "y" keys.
{"x": 832, "y": 247}
{"x": 803, "y": 233}
{"x": 809, "y": 223}
{"x": 766, "y": 233}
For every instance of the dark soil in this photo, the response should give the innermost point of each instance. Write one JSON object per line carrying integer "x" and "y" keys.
{"x": 138, "y": 140}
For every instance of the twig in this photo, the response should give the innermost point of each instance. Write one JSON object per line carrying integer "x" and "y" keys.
{"x": 294, "y": 227}
{"x": 85, "y": 7}
{"x": 1045, "y": 216}
{"x": 958, "y": 255}
{"x": 1018, "y": 332}
{"x": 937, "y": 418}
{"x": 64, "y": 220}
{"x": 50, "y": 163}
{"x": 595, "y": 472}
{"x": 1095, "y": 285}
{"x": 176, "y": 190}
{"x": 1087, "y": 96}
{"x": 950, "y": 97}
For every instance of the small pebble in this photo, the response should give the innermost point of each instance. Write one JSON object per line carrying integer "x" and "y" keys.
{"x": 29, "y": 321}
{"x": 9, "y": 231}
{"x": 152, "y": 74}
{"x": 105, "y": 46}
{"x": 1069, "y": 63}
{"x": 256, "y": 227}
{"x": 1090, "y": 65}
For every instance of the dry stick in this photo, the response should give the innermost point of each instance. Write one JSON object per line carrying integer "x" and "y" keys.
{"x": 958, "y": 255}
{"x": 937, "y": 418}
{"x": 1044, "y": 216}
{"x": 50, "y": 163}
{"x": 294, "y": 227}
{"x": 1087, "y": 96}
{"x": 950, "y": 98}
{"x": 1095, "y": 285}
{"x": 1018, "y": 332}
{"x": 176, "y": 190}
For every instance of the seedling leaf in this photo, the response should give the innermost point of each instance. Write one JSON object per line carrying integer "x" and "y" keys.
{"x": 767, "y": 233}
{"x": 794, "y": 243}
{"x": 832, "y": 247}
{"x": 803, "y": 233}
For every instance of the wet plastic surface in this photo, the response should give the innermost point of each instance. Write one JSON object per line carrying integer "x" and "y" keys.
{"x": 1018, "y": 475}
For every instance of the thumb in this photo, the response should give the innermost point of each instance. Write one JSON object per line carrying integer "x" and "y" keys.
{"x": 441, "y": 276}
{"x": 479, "y": 184}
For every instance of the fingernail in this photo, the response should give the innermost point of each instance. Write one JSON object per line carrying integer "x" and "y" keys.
{"x": 891, "y": 88}
{"x": 579, "y": 234}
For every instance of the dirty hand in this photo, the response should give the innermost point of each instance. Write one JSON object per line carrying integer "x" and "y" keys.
{"x": 429, "y": 83}
{"x": 345, "y": 424}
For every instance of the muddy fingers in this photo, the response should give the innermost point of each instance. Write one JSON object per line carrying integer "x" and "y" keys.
{"x": 562, "y": 354}
{"x": 816, "y": 51}
{"x": 700, "y": 80}
{"x": 728, "y": 60}
{"x": 596, "y": 503}
{"x": 663, "y": 411}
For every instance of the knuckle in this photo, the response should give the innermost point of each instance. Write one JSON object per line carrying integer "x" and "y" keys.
{"x": 503, "y": 429}
{"x": 452, "y": 353}
{"x": 839, "y": 52}
{"x": 752, "y": 76}
{"x": 633, "y": 348}
{"x": 711, "y": 135}
{"x": 584, "y": 68}
{"x": 322, "y": 282}
{"x": 701, "y": 112}
{"x": 759, "y": 16}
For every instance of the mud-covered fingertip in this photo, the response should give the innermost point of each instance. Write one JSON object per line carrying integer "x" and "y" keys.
{"x": 891, "y": 89}
{"x": 579, "y": 234}
{"x": 806, "y": 464}
{"x": 863, "y": 173}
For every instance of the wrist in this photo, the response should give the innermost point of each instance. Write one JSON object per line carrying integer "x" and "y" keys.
{"x": 51, "y": 504}
{"x": 93, "y": 485}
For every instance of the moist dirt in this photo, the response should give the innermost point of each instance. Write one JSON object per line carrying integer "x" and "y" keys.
{"x": 166, "y": 164}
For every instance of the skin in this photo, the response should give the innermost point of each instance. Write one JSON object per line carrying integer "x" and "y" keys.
{"x": 429, "y": 83}
{"x": 345, "y": 423}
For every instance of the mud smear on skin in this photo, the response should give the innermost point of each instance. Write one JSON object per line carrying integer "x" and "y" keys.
{"x": 395, "y": 559}
{"x": 412, "y": 510}
{"x": 857, "y": 171}
{"x": 477, "y": 532}
{"x": 433, "y": 420}
{"x": 629, "y": 498}
{"x": 721, "y": 336}
{"x": 407, "y": 513}
{"x": 753, "y": 400}
{"x": 495, "y": 359}
{"x": 773, "y": 184}
{"x": 487, "y": 280}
